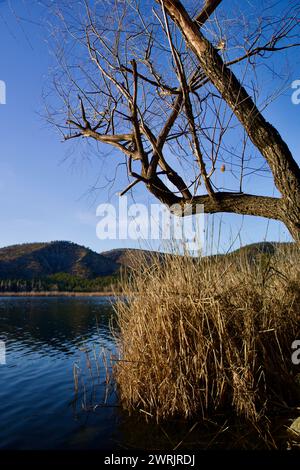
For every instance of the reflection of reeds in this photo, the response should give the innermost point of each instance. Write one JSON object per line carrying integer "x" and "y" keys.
{"x": 87, "y": 380}
{"x": 203, "y": 337}
{"x": 75, "y": 377}
{"x": 106, "y": 367}
{"x": 96, "y": 361}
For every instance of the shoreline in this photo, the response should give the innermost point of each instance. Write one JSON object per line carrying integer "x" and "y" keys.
{"x": 57, "y": 294}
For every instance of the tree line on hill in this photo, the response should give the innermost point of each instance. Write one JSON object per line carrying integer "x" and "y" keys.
{"x": 61, "y": 282}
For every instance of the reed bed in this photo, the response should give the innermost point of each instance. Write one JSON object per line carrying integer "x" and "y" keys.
{"x": 200, "y": 338}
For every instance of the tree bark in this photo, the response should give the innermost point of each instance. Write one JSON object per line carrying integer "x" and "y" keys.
{"x": 245, "y": 204}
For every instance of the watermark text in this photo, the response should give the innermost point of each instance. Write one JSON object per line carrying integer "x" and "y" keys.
{"x": 156, "y": 222}
{"x": 2, "y": 92}
{"x": 296, "y": 353}
{"x": 296, "y": 93}
{"x": 2, "y": 353}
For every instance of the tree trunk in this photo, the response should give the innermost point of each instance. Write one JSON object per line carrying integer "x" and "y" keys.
{"x": 291, "y": 219}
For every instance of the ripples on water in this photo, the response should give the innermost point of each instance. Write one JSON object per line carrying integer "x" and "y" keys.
{"x": 44, "y": 338}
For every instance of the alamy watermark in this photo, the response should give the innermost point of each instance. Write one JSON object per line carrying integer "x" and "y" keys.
{"x": 2, "y": 353}
{"x": 296, "y": 352}
{"x": 2, "y": 92}
{"x": 155, "y": 222}
{"x": 296, "y": 93}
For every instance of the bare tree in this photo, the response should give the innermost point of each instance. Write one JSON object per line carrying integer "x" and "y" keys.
{"x": 177, "y": 92}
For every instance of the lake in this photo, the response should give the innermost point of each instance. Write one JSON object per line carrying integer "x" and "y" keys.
{"x": 46, "y": 339}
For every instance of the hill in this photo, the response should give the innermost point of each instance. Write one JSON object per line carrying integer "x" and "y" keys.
{"x": 130, "y": 257}
{"x": 39, "y": 260}
{"x": 255, "y": 250}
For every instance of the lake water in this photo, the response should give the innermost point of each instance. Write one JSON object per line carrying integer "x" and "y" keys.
{"x": 44, "y": 338}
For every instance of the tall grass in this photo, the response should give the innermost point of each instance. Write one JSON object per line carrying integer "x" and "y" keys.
{"x": 202, "y": 337}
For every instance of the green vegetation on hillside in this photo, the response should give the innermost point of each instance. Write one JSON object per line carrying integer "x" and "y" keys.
{"x": 61, "y": 282}
{"x": 37, "y": 261}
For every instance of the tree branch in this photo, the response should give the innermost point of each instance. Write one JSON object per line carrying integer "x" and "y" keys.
{"x": 245, "y": 204}
{"x": 207, "y": 11}
{"x": 135, "y": 121}
{"x": 188, "y": 106}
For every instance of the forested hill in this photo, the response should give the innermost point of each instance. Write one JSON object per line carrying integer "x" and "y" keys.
{"x": 39, "y": 260}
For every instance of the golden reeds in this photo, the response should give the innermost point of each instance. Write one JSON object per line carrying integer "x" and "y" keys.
{"x": 207, "y": 336}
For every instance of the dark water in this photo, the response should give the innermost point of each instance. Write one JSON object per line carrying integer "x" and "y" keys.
{"x": 39, "y": 408}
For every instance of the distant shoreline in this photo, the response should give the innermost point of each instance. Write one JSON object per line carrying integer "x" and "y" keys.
{"x": 57, "y": 294}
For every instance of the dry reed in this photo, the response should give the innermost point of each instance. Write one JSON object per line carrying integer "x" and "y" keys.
{"x": 202, "y": 337}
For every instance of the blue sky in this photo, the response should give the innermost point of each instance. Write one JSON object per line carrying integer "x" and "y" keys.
{"x": 44, "y": 195}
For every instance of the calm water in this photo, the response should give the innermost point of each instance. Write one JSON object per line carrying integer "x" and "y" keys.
{"x": 38, "y": 406}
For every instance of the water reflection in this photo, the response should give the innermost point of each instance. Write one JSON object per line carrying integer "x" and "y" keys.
{"x": 44, "y": 338}
{"x": 56, "y": 324}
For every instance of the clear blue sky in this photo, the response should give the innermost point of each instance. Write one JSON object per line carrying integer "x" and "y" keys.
{"x": 43, "y": 195}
